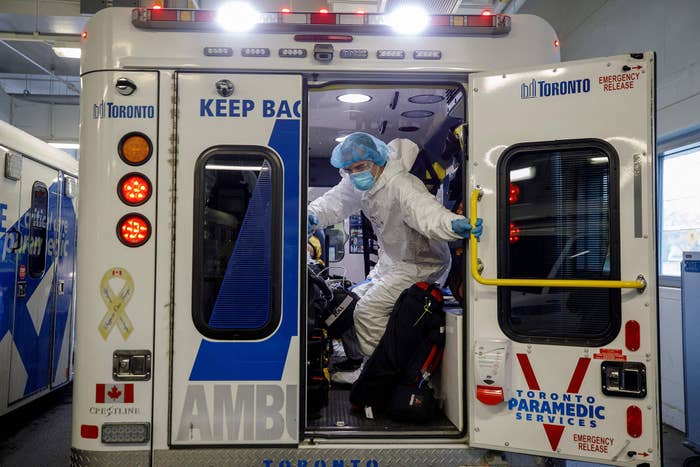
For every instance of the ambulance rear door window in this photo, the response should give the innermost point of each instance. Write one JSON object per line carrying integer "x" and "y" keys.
{"x": 237, "y": 243}
{"x": 559, "y": 219}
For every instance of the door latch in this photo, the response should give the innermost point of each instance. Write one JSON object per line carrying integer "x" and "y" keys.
{"x": 624, "y": 379}
{"x": 131, "y": 365}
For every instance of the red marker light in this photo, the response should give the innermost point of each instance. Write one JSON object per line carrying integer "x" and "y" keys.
{"x": 632, "y": 335}
{"x": 514, "y": 234}
{"x": 133, "y": 230}
{"x": 486, "y": 13}
{"x": 157, "y": 7}
{"x": 634, "y": 421}
{"x": 323, "y": 10}
{"x": 84, "y": 34}
{"x": 89, "y": 431}
{"x": 513, "y": 193}
{"x": 556, "y": 43}
{"x": 360, "y": 12}
{"x": 134, "y": 189}
{"x": 286, "y": 10}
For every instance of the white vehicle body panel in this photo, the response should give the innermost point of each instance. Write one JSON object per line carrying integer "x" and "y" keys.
{"x": 502, "y": 116}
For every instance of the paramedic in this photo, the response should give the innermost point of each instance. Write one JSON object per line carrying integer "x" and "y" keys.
{"x": 412, "y": 227}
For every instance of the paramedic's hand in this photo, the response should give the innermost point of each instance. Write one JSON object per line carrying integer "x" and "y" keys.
{"x": 462, "y": 228}
{"x": 312, "y": 220}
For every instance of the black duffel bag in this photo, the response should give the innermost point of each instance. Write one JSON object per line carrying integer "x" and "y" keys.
{"x": 396, "y": 378}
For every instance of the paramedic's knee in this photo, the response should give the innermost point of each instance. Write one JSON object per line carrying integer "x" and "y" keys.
{"x": 371, "y": 319}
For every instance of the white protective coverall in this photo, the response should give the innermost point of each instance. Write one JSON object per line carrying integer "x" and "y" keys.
{"x": 412, "y": 228}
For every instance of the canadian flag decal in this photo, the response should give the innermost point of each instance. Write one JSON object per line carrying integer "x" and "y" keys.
{"x": 114, "y": 393}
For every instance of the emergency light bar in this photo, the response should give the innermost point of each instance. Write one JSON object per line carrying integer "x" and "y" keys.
{"x": 282, "y": 22}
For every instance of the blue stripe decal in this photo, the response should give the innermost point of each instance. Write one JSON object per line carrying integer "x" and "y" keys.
{"x": 264, "y": 360}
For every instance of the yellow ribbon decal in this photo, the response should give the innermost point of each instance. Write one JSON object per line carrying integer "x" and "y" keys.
{"x": 116, "y": 303}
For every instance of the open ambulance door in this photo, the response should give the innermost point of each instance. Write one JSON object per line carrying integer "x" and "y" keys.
{"x": 562, "y": 290}
{"x": 235, "y": 338}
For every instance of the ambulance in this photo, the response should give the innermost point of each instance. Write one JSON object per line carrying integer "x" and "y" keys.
{"x": 38, "y": 227}
{"x": 203, "y": 134}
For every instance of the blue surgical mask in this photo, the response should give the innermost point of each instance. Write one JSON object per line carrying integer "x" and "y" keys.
{"x": 362, "y": 180}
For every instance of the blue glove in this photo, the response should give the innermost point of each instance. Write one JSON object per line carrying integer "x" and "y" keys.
{"x": 311, "y": 221}
{"x": 463, "y": 228}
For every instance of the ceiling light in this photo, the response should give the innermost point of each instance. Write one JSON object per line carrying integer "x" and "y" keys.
{"x": 354, "y": 98}
{"x": 518, "y": 175}
{"x": 65, "y": 145}
{"x": 237, "y": 16}
{"x": 408, "y": 20}
{"x": 418, "y": 114}
{"x": 67, "y": 52}
{"x": 426, "y": 99}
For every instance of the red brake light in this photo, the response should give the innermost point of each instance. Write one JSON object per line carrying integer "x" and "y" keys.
{"x": 134, "y": 189}
{"x": 323, "y": 10}
{"x": 133, "y": 230}
{"x": 360, "y": 12}
{"x": 480, "y": 21}
{"x": 286, "y": 10}
{"x": 513, "y": 193}
{"x": 84, "y": 34}
{"x": 486, "y": 13}
{"x": 514, "y": 234}
{"x": 159, "y": 14}
{"x": 556, "y": 43}
{"x": 322, "y": 18}
{"x": 157, "y": 7}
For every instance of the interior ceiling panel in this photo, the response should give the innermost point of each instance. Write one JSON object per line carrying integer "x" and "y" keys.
{"x": 418, "y": 113}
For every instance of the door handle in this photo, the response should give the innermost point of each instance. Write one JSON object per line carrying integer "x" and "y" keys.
{"x": 476, "y": 266}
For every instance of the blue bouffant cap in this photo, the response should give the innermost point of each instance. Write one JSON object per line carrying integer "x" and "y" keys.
{"x": 359, "y": 147}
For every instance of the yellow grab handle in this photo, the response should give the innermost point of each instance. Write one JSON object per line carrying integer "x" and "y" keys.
{"x": 639, "y": 284}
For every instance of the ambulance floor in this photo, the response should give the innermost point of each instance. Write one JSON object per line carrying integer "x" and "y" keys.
{"x": 337, "y": 417}
{"x": 39, "y": 434}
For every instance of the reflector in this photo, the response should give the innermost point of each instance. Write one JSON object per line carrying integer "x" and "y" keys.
{"x": 514, "y": 235}
{"x": 514, "y": 193}
{"x": 135, "y": 148}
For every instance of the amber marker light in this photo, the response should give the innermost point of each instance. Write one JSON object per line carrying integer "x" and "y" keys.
{"x": 134, "y": 189}
{"x": 133, "y": 230}
{"x": 135, "y": 148}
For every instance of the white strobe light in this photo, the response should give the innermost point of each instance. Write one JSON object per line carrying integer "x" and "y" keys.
{"x": 237, "y": 16}
{"x": 408, "y": 20}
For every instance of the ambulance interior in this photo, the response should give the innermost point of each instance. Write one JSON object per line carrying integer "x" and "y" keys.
{"x": 427, "y": 114}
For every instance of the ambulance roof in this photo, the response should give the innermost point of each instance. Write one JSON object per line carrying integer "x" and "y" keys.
{"x": 17, "y": 140}
{"x": 116, "y": 39}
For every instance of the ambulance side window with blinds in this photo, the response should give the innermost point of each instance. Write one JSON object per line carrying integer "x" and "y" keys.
{"x": 237, "y": 243}
{"x": 558, "y": 211}
{"x": 38, "y": 230}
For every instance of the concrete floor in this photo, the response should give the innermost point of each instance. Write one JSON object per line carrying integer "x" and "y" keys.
{"x": 39, "y": 435}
